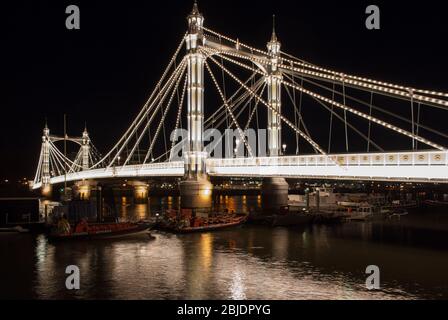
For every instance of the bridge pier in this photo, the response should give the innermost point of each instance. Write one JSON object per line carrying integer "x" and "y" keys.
{"x": 140, "y": 191}
{"x": 47, "y": 190}
{"x": 274, "y": 193}
{"x": 196, "y": 194}
{"x": 83, "y": 189}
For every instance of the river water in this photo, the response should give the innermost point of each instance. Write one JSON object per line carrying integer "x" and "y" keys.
{"x": 248, "y": 262}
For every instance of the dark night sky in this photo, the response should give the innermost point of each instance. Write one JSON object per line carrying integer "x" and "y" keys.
{"x": 103, "y": 73}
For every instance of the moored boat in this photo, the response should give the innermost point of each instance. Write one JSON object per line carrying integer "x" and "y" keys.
{"x": 17, "y": 229}
{"x": 235, "y": 221}
{"x": 436, "y": 203}
{"x": 172, "y": 222}
{"x": 85, "y": 231}
{"x": 397, "y": 214}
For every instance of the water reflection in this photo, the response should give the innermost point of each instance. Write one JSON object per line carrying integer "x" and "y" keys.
{"x": 250, "y": 262}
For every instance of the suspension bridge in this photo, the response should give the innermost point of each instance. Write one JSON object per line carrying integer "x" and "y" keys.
{"x": 263, "y": 89}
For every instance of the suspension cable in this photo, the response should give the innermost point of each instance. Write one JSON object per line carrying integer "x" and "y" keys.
{"x": 330, "y": 73}
{"x": 370, "y": 122}
{"x": 330, "y": 131}
{"x": 301, "y": 121}
{"x": 368, "y": 105}
{"x": 307, "y": 138}
{"x": 176, "y": 78}
{"x": 345, "y": 113}
{"x": 165, "y": 89}
{"x": 348, "y": 124}
{"x": 411, "y": 92}
{"x": 295, "y": 115}
{"x": 145, "y": 106}
{"x": 249, "y": 149}
{"x": 351, "y": 110}
{"x": 418, "y": 124}
{"x": 395, "y": 92}
{"x": 179, "y": 77}
{"x": 180, "y": 103}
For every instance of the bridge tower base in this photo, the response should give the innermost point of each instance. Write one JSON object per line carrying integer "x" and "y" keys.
{"x": 140, "y": 191}
{"x": 83, "y": 189}
{"x": 274, "y": 193}
{"x": 47, "y": 190}
{"x": 196, "y": 194}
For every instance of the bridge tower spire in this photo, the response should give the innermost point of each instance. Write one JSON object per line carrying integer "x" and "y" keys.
{"x": 46, "y": 175}
{"x": 274, "y": 190}
{"x": 195, "y": 189}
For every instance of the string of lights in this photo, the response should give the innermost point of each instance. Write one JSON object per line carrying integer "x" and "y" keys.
{"x": 343, "y": 107}
{"x": 147, "y": 103}
{"x": 167, "y": 107}
{"x": 307, "y": 138}
{"x": 136, "y": 124}
{"x": 333, "y": 75}
{"x": 240, "y": 132}
{"x": 179, "y": 114}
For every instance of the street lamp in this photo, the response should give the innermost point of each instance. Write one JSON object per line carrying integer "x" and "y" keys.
{"x": 284, "y": 148}
{"x": 119, "y": 158}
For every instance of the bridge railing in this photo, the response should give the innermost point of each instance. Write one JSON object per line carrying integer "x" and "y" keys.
{"x": 175, "y": 168}
{"x": 425, "y": 166}
{"x": 424, "y": 158}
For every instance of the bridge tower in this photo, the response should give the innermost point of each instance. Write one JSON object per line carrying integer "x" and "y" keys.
{"x": 83, "y": 189}
{"x": 195, "y": 189}
{"x": 85, "y": 150}
{"x": 274, "y": 190}
{"x": 46, "y": 186}
{"x": 273, "y": 81}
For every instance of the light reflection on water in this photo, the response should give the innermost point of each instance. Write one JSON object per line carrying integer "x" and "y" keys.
{"x": 250, "y": 262}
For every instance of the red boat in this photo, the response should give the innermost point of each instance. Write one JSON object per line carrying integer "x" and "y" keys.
{"x": 235, "y": 221}
{"x": 85, "y": 231}
{"x": 187, "y": 224}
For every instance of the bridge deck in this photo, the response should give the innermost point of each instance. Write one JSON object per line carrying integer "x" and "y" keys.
{"x": 429, "y": 166}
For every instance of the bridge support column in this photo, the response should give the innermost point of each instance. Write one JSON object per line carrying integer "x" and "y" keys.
{"x": 274, "y": 193}
{"x": 196, "y": 194}
{"x": 47, "y": 190}
{"x": 196, "y": 189}
{"x": 140, "y": 191}
{"x": 83, "y": 189}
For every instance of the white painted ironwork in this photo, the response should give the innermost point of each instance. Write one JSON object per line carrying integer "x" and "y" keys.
{"x": 275, "y": 69}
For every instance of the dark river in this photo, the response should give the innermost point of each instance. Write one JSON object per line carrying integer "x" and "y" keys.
{"x": 248, "y": 262}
